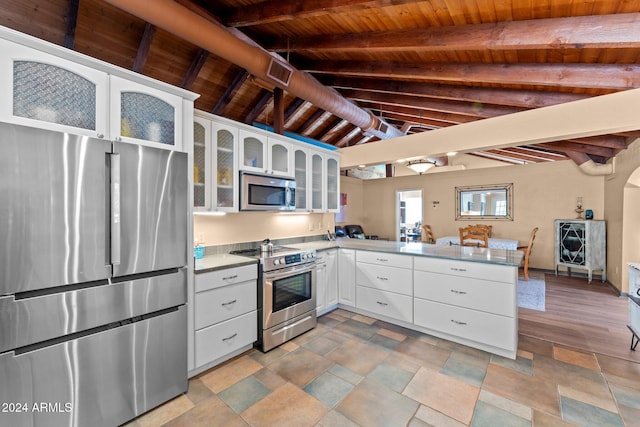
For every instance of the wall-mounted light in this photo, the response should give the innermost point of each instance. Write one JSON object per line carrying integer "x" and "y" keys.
{"x": 420, "y": 166}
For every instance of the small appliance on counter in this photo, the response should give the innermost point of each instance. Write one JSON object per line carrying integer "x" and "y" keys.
{"x": 588, "y": 214}
{"x": 286, "y": 292}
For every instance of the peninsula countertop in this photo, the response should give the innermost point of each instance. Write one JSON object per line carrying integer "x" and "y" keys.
{"x": 453, "y": 252}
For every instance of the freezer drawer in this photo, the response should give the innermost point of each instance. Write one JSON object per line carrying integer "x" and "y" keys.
{"x": 104, "y": 379}
{"x": 32, "y": 320}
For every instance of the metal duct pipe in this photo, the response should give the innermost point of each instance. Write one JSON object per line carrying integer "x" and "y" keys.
{"x": 588, "y": 166}
{"x": 216, "y": 38}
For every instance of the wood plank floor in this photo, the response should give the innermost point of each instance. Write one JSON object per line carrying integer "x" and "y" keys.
{"x": 590, "y": 317}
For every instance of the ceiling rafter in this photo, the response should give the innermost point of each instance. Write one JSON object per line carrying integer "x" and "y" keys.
{"x": 595, "y": 76}
{"x": 72, "y": 23}
{"x": 144, "y": 48}
{"x": 232, "y": 88}
{"x": 496, "y": 96}
{"x": 196, "y": 65}
{"x": 273, "y": 11}
{"x": 584, "y": 32}
{"x": 263, "y": 98}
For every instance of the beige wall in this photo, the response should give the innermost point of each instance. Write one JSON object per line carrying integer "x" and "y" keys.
{"x": 255, "y": 226}
{"x": 622, "y": 201}
{"x": 543, "y": 192}
{"x": 355, "y": 202}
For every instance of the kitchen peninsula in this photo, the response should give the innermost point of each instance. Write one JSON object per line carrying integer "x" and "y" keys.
{"x": 463, "y": 294}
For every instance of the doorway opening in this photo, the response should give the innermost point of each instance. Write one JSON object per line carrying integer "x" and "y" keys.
{"x": 408, "y": 215}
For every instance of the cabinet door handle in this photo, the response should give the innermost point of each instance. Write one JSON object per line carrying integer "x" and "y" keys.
{"x": 382, "y": 278}
{"x": 230, "y": 338}
{"x": 458, "y": 269}
{"x": 382, "y": 303}
{"x": 235, "y": 276}
{"x": 457, "y": 322}
{"x": 458, "y": 292}
{"x": 382, "y": 259}
{"x": 229, "y": 303}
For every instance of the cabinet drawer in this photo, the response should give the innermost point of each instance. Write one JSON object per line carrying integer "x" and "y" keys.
{"x": 398, "y": 280}
{"x": 382, "y": 258}
{"x": 228, "y": 276}
{"x": 216, "y": 305}
{"x": 385, "y": 303}
{"x": 491, "y": 329}
{"x": 219, "y": 340}
{"x": 476, "y": 270}
{"x": 491, "y": 297}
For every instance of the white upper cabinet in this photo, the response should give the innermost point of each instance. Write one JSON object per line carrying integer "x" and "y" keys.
{"x": 201, "y": 163}
{"x": 144, "y": 115}
{"x": 50, "y": 87}
{"x": 265, "y": 155}
{"x": 318, "y": 172}
{"x": 333, "y": 183}
{"x": 215, "y": 165}
{"x": 44, "y": 91}
{"x": 302, "y": 162}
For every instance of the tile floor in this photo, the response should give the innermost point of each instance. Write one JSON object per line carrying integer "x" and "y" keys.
{"x": 352, "y": 370}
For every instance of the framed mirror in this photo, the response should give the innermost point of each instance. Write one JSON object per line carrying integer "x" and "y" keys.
{"x": 485, "y": 202}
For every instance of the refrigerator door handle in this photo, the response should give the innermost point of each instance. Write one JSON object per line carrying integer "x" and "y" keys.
{"x": 115, "y": 209}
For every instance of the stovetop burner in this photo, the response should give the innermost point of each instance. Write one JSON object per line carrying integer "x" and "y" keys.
{"x": 280, "y": 257}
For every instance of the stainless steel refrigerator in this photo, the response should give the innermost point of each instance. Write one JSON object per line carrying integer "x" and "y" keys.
{"x": 93, "y": 249}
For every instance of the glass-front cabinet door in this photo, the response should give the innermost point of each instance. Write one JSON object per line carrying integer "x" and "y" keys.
{"x": 253, "y": 151}
{"x": 301, "y": 168}
{"x": 333, "y": 183}
{"x": 225, "y": 190}
{"x": 317, "y": 182}
{"x": 280, "y": 162}
{"x": 144, "y": 115}
{"x": 44, "y": 91}
{"x": 201, "y": 163}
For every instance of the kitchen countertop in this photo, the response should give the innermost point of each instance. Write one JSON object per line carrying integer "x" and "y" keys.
{"x": 459, "y": 253}
{"x": 220, "y": 262}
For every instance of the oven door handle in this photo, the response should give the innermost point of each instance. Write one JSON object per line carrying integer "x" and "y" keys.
{"x": 298, "y": 269}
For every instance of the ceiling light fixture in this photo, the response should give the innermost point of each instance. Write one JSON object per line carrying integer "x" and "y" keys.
{"x": 420, "y": 166}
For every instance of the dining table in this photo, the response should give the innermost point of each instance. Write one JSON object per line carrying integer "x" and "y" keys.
{"x": 494, "y": 243}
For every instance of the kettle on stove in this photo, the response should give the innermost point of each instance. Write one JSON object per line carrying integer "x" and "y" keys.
{"x": 266, "y": 246}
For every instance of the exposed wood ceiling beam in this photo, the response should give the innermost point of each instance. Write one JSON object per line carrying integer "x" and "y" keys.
{"x": 601, "y": 31}
{"x": 195, "y": 67}
{"x": 72, "y": 22}
{"x": 144, "y": 48}
{"x": 329, "y": 128}
{"x": 609, "y": 141}
{"x": 431, "y": 104}
{"x": 414, "y": 114}
{"x": 231, "y": 90}
{"x": 263, "y": 98}
{"x": 278, "y": 11}
{"x": 596, "y": 76}
{"x": 348, "y": 137}
{"x": 296, "y": 111}
{"x": 278, "y": 111}
{"x": 497, "y": 96}
{"x": 311, "y": 125}
{"x": 293, "y": 108}
{"x": 340, "y": 134}
{"x": 581, "y": 148}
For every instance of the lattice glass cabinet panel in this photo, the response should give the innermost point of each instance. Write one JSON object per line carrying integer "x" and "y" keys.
{"x": 53, "y": 94}
{"x": 147, "y": 117}
{"x": 200, "y": 167}
{"x": 302, "y": 186}
{"x": 225, "y": 168}
{"x": 581, "y": 244}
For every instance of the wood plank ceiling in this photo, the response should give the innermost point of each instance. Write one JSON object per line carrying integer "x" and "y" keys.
{"x": 420, "y": 65}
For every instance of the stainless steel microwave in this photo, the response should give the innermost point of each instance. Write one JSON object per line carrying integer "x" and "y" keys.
{"x": 267, "y": 193}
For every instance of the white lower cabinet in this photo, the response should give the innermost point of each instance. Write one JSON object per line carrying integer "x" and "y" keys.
{"x": 347, "y": 277}
{"x": 225, "y": 315}
{"x": 388, "y": 304}
{"x": 219, "y": 340}
{"x": 485, "y": 328}
{"x": 326, "y": 281}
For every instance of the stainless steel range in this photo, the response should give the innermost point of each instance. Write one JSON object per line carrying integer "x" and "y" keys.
{"x": 286, "y": 293}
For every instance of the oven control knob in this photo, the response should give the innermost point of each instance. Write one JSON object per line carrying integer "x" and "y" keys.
{"x": 276, "y": 261}
{"x": 304, "y": 255}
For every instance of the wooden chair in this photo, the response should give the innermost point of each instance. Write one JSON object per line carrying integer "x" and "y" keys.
{"x": 474, "y": 236}
{"x": 427, "y": 234}
{"x": 489, "y": 228}
{"x": 527, "y": 253}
